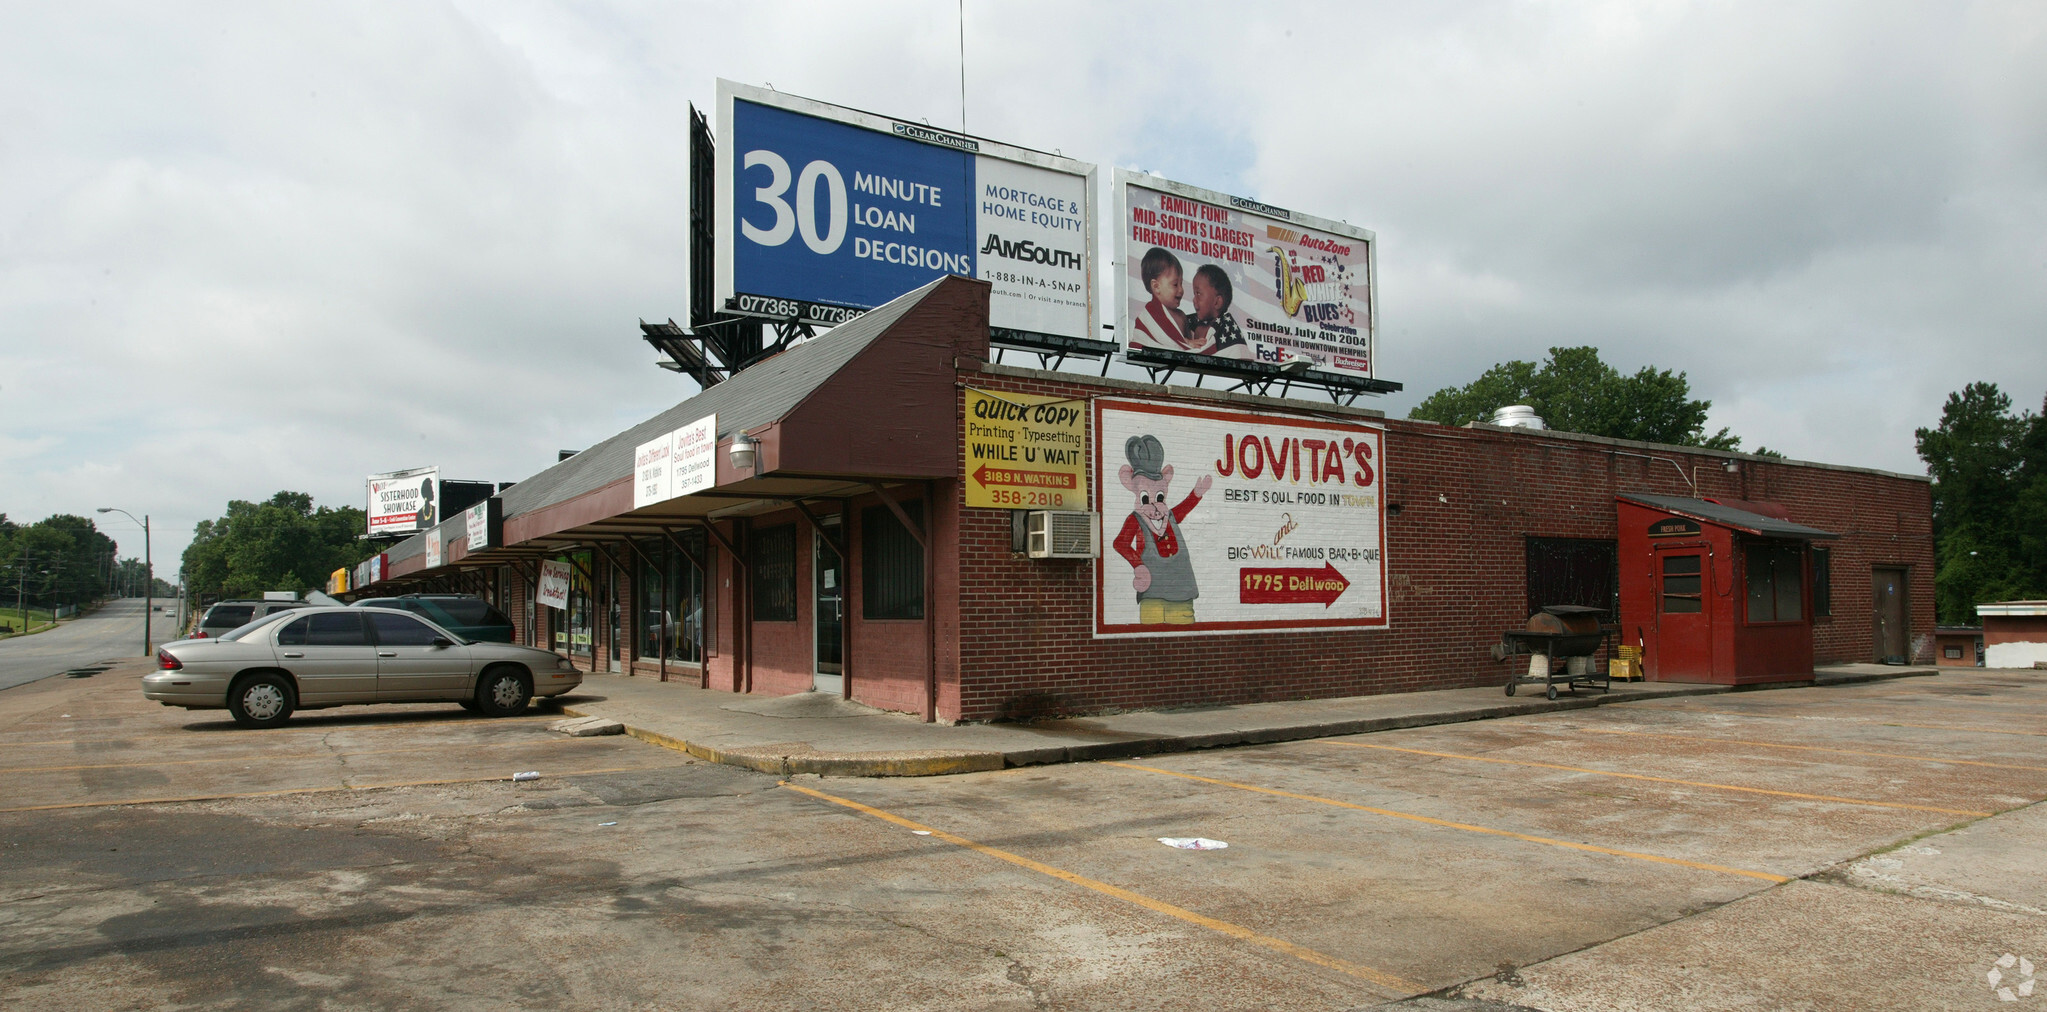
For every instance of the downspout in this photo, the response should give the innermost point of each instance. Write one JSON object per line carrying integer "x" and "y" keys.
{"x": 930, "y": 608}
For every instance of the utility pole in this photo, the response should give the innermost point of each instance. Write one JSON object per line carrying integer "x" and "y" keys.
{"x": 148, "y": 573}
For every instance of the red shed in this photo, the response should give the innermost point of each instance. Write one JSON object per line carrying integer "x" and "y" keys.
{"x": 1716, "y": 590}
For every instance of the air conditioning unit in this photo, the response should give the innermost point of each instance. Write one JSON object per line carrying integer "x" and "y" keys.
{"x": 1064, "y": 534}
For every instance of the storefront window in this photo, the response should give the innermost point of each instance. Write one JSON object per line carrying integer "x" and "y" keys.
{"x": 575, "y": 635}
{"x": 1775, "y": 581}
{"x": 891, "y": 564}
{"x": 672, "y": 600}
{"x": 774, "y": 574}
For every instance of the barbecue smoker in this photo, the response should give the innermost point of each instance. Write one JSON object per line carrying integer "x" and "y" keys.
{"x": 1566, "y": 632}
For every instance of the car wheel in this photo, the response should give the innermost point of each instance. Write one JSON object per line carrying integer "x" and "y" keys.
{"x": 260, "y": 700}
{"x": 503, "y": 692}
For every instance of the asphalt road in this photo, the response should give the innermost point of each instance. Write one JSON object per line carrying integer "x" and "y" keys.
{"x": 113, "y": 632}
{"x": 1864, "y": 847}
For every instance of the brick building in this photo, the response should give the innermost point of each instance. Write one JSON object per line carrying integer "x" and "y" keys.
{"x": 846, "y": 559}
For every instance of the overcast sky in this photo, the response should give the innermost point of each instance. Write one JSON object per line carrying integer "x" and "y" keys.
{"x": 255, "y": 247}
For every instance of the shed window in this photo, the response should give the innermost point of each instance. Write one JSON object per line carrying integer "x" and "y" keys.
{"x": 1951, "y": 653}
{"x": 774, "y": 574}
{"x": 1822, "y": 581}
{"x": 891, "y": 564}
{"x": 1681, "y": 594}
{"x": 1775, "y": 573}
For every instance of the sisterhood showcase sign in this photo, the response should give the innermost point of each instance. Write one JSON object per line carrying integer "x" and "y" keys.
{"x": 1230, "y": 521}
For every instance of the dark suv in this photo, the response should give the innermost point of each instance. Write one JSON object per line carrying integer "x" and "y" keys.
{"x": 468, "y": 617}
{"x": 226, "y": 615}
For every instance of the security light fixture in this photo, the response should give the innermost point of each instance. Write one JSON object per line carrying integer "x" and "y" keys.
{"x": 745, "y": 449}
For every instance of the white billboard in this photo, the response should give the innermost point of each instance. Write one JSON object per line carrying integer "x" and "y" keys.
{"x": 1225, "y": 277}
{"x": 403, "y": 502}
{"x": 676, "y": 463}
{"x": 826, "y": 212}
{"x": 1218, "y": 521}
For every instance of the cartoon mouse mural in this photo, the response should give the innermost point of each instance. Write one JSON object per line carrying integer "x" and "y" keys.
{"x": 1163, "y": 570}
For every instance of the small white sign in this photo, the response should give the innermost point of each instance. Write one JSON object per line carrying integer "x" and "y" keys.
{"x": 433, "y": 549}
{"x": 652, "y": 475}
{"x": 554, "y": 585}
{"x": 479, "y": 526}
{"x": 693, "y": 458}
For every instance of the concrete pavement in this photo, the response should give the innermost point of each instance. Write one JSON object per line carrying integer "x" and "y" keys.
{"x": 111, "y": 632}
{"x": 826, "y": 735}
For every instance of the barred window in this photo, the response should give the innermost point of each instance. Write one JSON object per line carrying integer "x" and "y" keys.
{"x": 891, "y": 564}
{"x": 774, "y": 574}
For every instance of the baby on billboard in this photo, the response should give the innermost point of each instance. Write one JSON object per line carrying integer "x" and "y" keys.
{"x": 1161, "y": 323}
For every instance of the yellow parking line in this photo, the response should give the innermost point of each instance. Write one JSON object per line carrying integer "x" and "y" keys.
{"x": 1467, "y": 827}
{"x": 1237, "y": 931}
{"x": 1660, "y": 780}
{"x": 1865, "y": 720}
{"x": 245, "y": 734}
{"x": 302, "y": 790}
{"x": 1816, "y": 748}
{"x": 299, "y": 755}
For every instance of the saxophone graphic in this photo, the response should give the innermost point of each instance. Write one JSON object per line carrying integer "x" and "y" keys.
{"x": 1287, "y": 283}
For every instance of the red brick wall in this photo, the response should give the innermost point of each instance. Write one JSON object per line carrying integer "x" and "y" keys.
{"x": 1455, "y": 569}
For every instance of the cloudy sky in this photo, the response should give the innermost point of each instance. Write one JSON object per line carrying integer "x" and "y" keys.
{"x": 255, "y": 247}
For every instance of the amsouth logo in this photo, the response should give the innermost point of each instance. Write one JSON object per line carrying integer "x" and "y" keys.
{"x": 2021, "y": 984}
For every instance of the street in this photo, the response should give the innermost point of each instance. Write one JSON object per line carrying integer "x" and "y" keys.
{"x": 1869, "y": 847}
{"x": 113, "y": 632}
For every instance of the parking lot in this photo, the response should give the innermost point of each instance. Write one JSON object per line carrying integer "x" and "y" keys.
{"x": 1852, "y": 847}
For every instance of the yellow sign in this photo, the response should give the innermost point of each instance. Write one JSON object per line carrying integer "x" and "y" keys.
{"x": 1025, "y": 451}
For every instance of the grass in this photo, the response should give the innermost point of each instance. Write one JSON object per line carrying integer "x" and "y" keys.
{"x": 12, "y": 618}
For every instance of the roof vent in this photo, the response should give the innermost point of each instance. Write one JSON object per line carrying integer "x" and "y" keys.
{"x": 1518, "y": 416}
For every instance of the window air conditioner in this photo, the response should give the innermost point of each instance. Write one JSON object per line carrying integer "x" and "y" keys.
{"x": 1064, "y": 534}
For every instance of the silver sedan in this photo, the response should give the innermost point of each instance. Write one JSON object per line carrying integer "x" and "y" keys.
{"x": 313, "y": 658}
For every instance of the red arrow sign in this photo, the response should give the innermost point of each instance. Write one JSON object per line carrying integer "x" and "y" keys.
{"x": 1291, "y": 585}
{"x": 1024, "y": 479}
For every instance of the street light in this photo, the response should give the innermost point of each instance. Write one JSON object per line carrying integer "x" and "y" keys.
{"x": 148, "y": 573}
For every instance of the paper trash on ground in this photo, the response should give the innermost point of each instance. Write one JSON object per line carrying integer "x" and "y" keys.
{"x": 528, "y": 775}
{"x": 1192, "y": 842}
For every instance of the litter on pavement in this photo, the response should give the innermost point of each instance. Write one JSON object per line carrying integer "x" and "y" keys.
{"x": 920, "y": 832}
{"x": 1192, "y": 842}
{"x": 528, "y": 775}
{"x": 607, "y": 823}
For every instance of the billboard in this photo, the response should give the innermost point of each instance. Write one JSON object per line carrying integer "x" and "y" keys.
{"x": 1225, "y": 277}
{"x": 1024, "y": 451}
{"x": 1233, "y": 521}
{"x": 825, "y": 212}
{"x": 403, "y": 502}
{"x": 676, "y": 463}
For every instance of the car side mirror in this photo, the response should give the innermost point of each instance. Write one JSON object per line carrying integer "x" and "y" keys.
{"x": 443, "y": 641}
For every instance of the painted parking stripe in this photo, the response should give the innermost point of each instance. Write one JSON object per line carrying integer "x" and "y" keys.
{"x": 1878, "y": 721}
{"x": 307, "y": 790}
{"x": 1237, "y": 931}
{"x": 1465, "y": 826}
{"x": 266, "y": 757}
{"x": 1817, "y": 748}
{"x": 1662, "y": 780}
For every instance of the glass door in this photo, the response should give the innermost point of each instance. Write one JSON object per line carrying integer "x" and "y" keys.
{"x": 829, "y": 614}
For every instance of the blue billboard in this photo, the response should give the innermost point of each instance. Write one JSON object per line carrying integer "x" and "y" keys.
{"x": 825, "y": 212}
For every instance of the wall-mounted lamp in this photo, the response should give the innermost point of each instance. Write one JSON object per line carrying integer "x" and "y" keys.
{"x": 1732, "y": 465}
{"x": 745, "y": 449}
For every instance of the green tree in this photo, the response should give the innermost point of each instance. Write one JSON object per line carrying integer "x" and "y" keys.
{"x": 1574, "y": 391}
{"x": 284, "y": 543}
{"x": 1989, "y": 470}
{"x": 60, "y": 560}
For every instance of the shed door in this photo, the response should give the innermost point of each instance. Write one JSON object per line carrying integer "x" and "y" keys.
{"x": 1893, "y": 631}
{"x": 1684, "y": 613}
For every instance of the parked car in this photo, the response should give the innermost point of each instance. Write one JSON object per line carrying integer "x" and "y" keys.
{"x": 227, "y": 615}
{"x": 471, "y": 617}
{"x": 316, "y": 657}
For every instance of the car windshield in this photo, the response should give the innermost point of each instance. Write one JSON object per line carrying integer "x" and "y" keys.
{"x": 262, "y": 623}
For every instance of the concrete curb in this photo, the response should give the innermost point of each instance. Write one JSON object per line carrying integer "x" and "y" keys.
{"x": 790, "y": 758}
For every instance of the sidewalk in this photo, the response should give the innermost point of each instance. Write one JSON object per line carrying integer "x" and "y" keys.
{"x": 823, "y": 734}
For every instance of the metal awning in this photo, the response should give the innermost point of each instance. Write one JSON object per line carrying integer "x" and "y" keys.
{"x": 1719, "y": 515}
